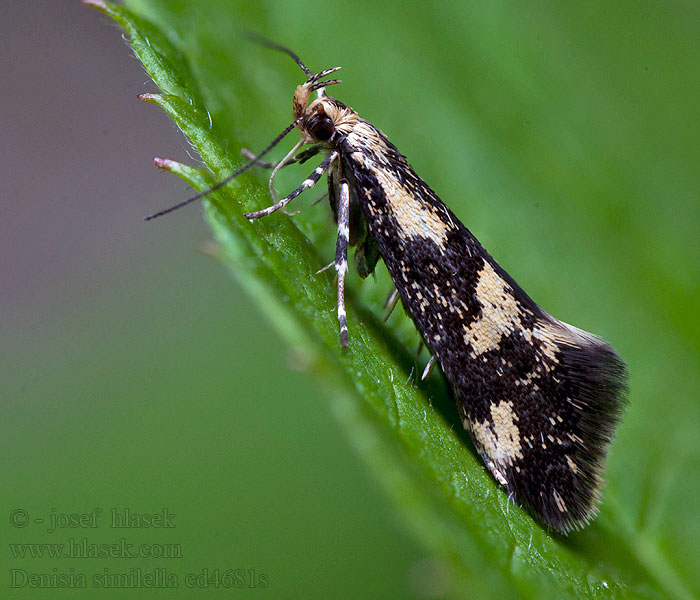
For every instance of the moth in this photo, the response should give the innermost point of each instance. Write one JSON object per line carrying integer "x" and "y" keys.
{"x": 539, "y": 398}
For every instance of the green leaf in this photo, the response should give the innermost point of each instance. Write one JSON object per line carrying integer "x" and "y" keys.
{"x": 485, "y": 83}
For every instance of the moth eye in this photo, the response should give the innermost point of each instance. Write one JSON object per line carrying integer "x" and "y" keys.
{"x": 322, "y": 128}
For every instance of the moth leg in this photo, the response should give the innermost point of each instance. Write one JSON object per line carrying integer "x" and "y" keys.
{"x": 391, "y": 301}
{"x": 321, "y": 197}
{"x": 428, "y": 368}
{"x": 328, "y": 266}
{"x": 309, "y": 182}
{"x": 278, "y": 166}
{"x": 297, "y": 159}
{"x": 305, "y": 155}
{"x": 300, "y": 158}
{"x": 341, "y": 256}
{"x": 288, "y": 160}
{"x": 261, "y": 163}
{"x": 420, "y": 347}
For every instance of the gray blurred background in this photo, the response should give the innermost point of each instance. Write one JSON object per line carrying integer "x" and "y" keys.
{"x": 77, "y": 172}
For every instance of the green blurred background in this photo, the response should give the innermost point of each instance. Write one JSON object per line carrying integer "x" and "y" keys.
{"x": 136, "y": 374}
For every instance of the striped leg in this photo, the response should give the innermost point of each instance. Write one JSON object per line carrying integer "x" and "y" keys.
{"x": 341, "y": 256}
{"x": 309, "y": 182}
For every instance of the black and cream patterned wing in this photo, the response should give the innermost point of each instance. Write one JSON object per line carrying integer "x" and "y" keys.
{"x": 540, "y": 398}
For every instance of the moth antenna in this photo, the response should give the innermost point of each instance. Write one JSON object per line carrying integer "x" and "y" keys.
{"x": 232, "y": 176}
{"x": 319, "y": 85}
{"x": 258, "y": 39}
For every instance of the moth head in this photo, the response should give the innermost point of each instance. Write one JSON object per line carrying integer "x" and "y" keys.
{"x": 313, "y": 119}
{"x": 316, "y": 123}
